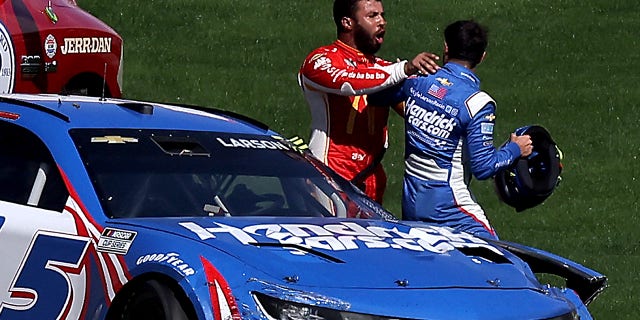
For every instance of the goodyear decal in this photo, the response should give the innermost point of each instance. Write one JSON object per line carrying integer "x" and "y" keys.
{"x": 172, "y": 259}
{"x": 345, "y": 236}
{"x": 116, "y": 241}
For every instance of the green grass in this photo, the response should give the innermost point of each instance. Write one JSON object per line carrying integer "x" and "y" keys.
{"x": 569, "y": 65}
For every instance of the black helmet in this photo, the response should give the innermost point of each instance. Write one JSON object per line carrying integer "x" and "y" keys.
{"x": 531, "y": 180}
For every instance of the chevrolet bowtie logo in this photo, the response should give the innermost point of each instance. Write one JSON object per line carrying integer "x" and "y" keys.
{"x": 113, "y": 139}
{"x": 444, "y": 82}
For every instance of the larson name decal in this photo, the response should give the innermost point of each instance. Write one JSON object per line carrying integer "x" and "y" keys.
{"x": 253, "y": 144}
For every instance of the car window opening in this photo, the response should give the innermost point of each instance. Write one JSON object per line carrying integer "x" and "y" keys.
{"x": 259, "y": 177}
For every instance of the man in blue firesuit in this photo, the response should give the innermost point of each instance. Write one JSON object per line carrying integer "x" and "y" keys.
{"x": 449, "y": 136}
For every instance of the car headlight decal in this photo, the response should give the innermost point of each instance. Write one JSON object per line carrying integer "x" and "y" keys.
{"x": 222, "y": 301}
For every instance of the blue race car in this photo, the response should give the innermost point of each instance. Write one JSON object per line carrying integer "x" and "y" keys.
{"x": 119, "y": 209}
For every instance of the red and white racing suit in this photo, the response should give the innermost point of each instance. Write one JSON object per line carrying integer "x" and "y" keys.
{"x": 346, "y": 133}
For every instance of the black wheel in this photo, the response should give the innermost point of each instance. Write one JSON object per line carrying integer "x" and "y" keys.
{"x": 151, "y": 300}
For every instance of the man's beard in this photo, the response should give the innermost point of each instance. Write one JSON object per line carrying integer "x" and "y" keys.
{"x": 365, "y": 42}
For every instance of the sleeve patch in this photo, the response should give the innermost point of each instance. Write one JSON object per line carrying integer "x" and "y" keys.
{"x": 486, "y": 128}
{"x": 476, "y": 102}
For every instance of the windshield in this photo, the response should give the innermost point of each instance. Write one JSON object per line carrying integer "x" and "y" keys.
{"x": 161, "y": 173}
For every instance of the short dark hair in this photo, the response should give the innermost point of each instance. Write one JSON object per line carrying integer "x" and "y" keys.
{"x": 344, "y": 8}
{"x": 467, "y": 40}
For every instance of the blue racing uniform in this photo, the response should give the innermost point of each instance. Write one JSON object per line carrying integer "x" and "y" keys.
{"x": 449, "y": 136}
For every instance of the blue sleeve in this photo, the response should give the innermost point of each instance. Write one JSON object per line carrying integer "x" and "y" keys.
{"x": 387, "y": 97}
{"x": 486, "y": 160}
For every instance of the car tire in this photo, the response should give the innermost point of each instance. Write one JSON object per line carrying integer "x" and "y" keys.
{"x": 150, "y": 300}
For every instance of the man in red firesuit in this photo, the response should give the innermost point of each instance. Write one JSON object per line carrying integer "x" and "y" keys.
{"x": 346, "y": 133}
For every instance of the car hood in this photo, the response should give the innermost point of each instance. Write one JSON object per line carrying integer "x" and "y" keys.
{"x": 355, "y": 253}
